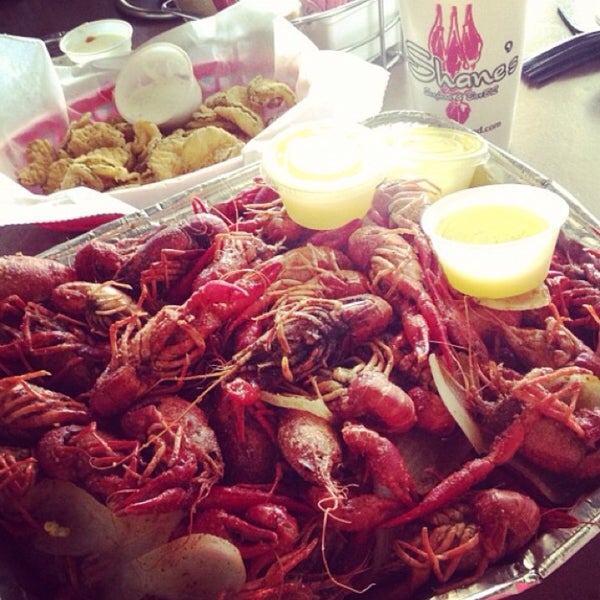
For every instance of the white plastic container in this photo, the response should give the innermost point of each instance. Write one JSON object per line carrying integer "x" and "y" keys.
{"x": 326, "y": 172}
{"x": 95, "y": 40}
{"x": 157, "y": 84}
{"x": 445, "y": 156}
{"x": 495, "y": 241}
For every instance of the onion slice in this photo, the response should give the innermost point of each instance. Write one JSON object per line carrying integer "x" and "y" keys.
{"x": 536, "y": 298}
{"x": 315, "y": 406}
{"x": 73, "y": 523}
{"x": 454, "y": 398}
{"x": 193, "y": 567}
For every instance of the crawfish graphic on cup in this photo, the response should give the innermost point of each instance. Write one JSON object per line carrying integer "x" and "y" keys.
{"x": 460, "y": 51}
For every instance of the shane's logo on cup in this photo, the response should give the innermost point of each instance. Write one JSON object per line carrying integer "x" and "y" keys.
{"x": 451, "y": 62}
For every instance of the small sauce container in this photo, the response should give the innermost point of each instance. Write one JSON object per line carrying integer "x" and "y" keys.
{"x": 444, "y": 156}
{"x": 326, "y": 172}
{"x": 97, "y": 40}
{"x": 157, "y": 84}
{"x": 495, "y": 241}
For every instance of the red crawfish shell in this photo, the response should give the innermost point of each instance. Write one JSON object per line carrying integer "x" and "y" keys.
{"x": 31, "y": 277}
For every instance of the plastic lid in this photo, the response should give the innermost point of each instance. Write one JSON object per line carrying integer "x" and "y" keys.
{"x": 157, "y": 84}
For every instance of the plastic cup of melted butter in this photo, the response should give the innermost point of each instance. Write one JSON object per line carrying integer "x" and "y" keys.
{"x": 445, "y": 156}
{"x": 157, "y": 84}
{"x": 326, "y": 172}
{"x": 495, "y": 241}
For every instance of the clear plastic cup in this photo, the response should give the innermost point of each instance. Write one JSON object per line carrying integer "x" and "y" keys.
{"x": 97, "y": 40}
{"x": 157, "y": 84}
{"x": 495, "y": 241}
{"x": 326, "y": 172}
{"x": 445, "y": 156}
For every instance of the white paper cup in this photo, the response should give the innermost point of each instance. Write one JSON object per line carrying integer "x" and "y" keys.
{"x": 495, "y": 241}
{"x": 464, "y": 61}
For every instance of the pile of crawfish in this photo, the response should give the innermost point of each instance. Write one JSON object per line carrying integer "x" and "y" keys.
{"x": 237, "y": 391}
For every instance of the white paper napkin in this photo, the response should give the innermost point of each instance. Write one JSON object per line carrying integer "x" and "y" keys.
{"x": 19, "y": 206}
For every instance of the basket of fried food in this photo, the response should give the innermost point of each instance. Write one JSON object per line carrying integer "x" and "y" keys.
{"x": 104, "y": 155}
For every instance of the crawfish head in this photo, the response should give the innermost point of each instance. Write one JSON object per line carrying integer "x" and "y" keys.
{"x": 390, "y": 261}
{"x": 366, "y": 316}
{"x": 165, "y": 240}
{"x": 262, "y": 528}
{"x": 312, "y": 332}
{"x": 177, "y": 423}
{"x": 18, "y": 472}
{"x": 403, "y": 202}
{"x": 99, "y": 304}
{"x": 507, "y": 521}
{"x": 27, "y": 410}
{"x": 469, "y": 534}
{"x": 181, "y": 459}
{"x": 31, "y": 277}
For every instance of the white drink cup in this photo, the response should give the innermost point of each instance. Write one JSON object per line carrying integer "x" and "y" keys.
{"x": 464, "y": 61}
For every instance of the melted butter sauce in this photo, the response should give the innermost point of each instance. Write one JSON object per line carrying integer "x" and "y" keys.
{"x": 490, "y": 224}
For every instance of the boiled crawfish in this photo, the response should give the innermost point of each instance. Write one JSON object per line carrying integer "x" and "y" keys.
{"x": 466, "y": 536}
{"x": 32, "y": 278}
{"x": 172, "y": 342}
{"x": 165, "y": 458}
{"x": 35, "y": 337}
{"x": 315, "y": 332}
{"x": 395, "y": 271}
{"x": 27, "y": 409}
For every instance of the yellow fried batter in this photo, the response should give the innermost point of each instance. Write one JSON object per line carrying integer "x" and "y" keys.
{"x": 184, "y": 152}
{"x": 245, "y": 118}
{"x": 206, "y": 116}
{"x": 269, "y": 93}
{"x": 236, "y": 94}
{"x": 40, "y": 155}
{"x": 164, "y": 157}
{"x": 145, "y": 134}
{"x": 85, "y": 135}
{"x": 209, "y": 146}
{"x": 105, "y": 155}
{"x": 56, "y": 173}
{"x": 100, "y": 169}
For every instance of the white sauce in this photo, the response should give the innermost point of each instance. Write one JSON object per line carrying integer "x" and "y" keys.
{"x": 95, "y": 43}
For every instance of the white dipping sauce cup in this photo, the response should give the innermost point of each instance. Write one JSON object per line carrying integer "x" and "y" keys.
{"x": 495, "y": 241}
{"x": 95, "y": 40}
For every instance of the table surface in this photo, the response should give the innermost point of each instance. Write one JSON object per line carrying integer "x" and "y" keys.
{"x": 556, "y": 131}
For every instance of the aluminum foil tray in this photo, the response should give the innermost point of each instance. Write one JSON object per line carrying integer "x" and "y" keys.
{"x": 549, "y": 551}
